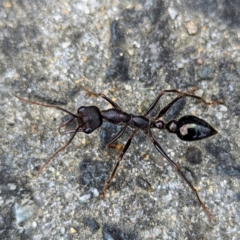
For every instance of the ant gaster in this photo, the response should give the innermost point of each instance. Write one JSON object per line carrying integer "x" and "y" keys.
{"x": 89, "y": 118}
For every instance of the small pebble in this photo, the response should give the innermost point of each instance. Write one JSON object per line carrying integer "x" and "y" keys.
{"x": 180, "y": 65}
{"x": 199, "y": 61}
{"x": 192, "y": 26}
{"x": 206, "y": 72}
{"x": 66, "y": 44}
{"x": 11, "y": 186}
{"x": 223, "y": 108}
{"x": 62, "y": 230}
{"x": 95, "y": 192}
{"x": 72, "y": 230}
{"x": 85, "y": 197}
{"x": 34, "y": 224}
{"x": 172, "y": 12}
{"x": 219, "y": 115}
{"x": 199, "y": 93}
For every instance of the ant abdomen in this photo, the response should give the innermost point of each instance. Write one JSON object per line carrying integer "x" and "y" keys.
{"x": 192, "y": 128}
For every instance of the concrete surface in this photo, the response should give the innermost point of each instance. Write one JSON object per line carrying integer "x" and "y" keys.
{"x": 129, "y": 50}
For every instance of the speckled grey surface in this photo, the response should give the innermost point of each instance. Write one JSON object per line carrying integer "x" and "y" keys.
{"x": 51, "y": 51}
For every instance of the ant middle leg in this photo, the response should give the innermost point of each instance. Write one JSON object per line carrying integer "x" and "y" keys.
{"x": 119, "y": 134}
{"x": 120, "y": 157}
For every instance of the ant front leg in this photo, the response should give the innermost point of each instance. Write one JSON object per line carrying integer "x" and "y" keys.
{"x": 92, "y": 94}
{"x": 110, "y": 101}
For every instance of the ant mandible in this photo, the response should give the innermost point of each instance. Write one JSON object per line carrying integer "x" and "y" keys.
{"x": 89, "y": 118}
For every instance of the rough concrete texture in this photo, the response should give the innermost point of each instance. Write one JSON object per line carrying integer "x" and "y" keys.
{"x": 51, "y": 51}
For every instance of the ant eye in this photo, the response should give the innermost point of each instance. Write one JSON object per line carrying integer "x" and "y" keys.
{"x": 88, "y": 130}
{"x": 81, "y": 109}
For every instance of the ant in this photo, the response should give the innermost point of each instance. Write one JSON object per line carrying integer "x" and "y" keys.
{"x": 89, "y": 118}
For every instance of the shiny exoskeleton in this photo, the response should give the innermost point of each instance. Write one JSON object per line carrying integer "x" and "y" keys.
{"x": 89, "y": 118}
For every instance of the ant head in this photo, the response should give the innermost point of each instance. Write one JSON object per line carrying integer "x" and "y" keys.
{"x": 86, "y": 120}
{"x": 89, "y": 118}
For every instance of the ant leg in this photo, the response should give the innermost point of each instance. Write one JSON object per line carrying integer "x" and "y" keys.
{"x": 177, "y": 168}
{"x": 120, "y": 133}
{"x": 92, "y": 94}
{"x": 166, "y": 108}
{"x": 59, "y": 150}
{"x": 181, "y": 94}
{"x": 45, "y": 105}
{"x": 189, "y": 94}
{"x": 110, "y": 101}
{"x": 120, "y": 157}
{"x": 154, "y": 103}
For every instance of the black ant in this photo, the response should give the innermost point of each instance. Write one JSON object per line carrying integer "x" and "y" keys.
{"x": 187, "y": 128}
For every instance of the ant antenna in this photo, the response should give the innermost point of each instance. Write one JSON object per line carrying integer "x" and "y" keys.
{"x": 63, "y": 124}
